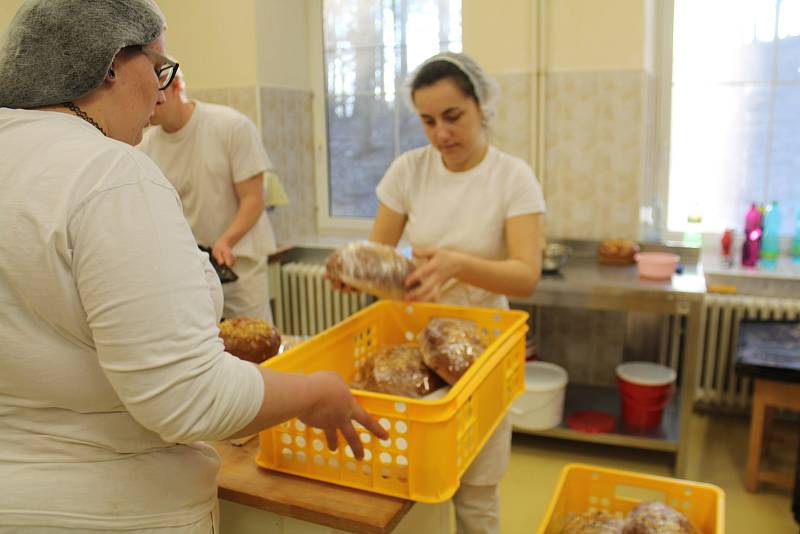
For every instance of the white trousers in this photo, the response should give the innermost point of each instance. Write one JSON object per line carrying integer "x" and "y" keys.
{"x": 477, "y": 500}
{"x": 249, "y": 295}
{"x": 206, "y": 525}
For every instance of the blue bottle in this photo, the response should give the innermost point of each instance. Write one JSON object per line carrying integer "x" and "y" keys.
{"x": 771, "y": 241}
{"x": 796, "y": 240}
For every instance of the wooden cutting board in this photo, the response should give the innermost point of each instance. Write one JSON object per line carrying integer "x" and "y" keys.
{"x": 242, "y": 481}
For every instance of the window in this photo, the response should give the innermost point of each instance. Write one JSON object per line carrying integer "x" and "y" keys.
{"x": 735, "y": 126}
{"x": 370, "y": 47}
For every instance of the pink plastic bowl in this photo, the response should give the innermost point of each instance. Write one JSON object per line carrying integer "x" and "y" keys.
{"x": 656, "y": 265}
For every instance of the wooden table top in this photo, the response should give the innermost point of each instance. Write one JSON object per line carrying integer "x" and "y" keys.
{"x": 242, "y": 481}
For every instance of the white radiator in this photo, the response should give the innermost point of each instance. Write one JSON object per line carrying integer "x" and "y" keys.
{"x": 718, "y": 385}
{"x": 306, "y": 304}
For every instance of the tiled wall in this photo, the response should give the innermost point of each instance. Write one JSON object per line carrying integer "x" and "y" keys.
{"x": 599, "y": 134}
{"x": 287, "y": 126}
{"x": 588, "y": 344}
{"x": 595, "y": 140}
{"x": 284, "y": 116}
{"x": 510, "y": 130}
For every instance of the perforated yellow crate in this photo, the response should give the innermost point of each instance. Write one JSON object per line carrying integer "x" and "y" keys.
{"x": 584, "y": 488}
{"x": 431, "y": 442}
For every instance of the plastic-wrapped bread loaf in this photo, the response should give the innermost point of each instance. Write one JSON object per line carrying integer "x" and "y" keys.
{"x": 450, "y": 346}
{"x": 597, "y": 522}
{"x": 370, "y": 267}
{"x": 657, "y": 518}
{"x": 397, "y": 370}
{"x": 250, "y": 339}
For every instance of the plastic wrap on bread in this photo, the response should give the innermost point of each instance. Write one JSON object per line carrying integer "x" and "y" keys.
{"x": 657, "y": 518}
{"x": 450, "y": 346}
{"x": 397, "y": 370}
{"x": 595, "y": 522}
{"x": 250, "y": 339}
{"x": 374, "y": 268}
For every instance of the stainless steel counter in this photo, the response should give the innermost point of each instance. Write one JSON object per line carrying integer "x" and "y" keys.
{"x": 583, "y": 283}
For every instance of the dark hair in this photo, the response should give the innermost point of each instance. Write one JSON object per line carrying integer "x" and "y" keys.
{"x": 440, "y": 70}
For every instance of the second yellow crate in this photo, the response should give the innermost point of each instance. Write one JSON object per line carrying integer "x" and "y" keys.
{"x": 583, "y": 488}
{"x": 431, "y": 442}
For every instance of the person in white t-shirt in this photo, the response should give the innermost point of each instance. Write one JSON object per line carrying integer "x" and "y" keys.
{"x": 473, "y": 216}
{"x": 112, "y": 372}
{"x": 213, "y": 156}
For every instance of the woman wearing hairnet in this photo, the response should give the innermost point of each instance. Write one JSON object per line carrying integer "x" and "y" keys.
{"x": 111, "y": 370}
{"x": 472, "y": 214}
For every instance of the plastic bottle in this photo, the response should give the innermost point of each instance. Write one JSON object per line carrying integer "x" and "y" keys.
{"x": 693, "y": 236}
{"x": 770, "y": 240}
{"x": 726, "y": 247}
{"x": 752, "y": 236}
{"x": 796, "y": 240}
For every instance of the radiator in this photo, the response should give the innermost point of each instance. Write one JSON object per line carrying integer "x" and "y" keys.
{"x": 718, "y": 385}
{"x": 306, "y": 304}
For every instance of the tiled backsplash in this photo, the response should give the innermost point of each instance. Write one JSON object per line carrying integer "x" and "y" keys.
{"x": 595, "y": 153}
{"x": 287, "y": 128}
{"x": 510, "y": 130}
{"x": 588, "y": 344}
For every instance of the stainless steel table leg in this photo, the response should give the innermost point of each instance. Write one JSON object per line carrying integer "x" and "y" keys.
{"x": 695, "y": 326}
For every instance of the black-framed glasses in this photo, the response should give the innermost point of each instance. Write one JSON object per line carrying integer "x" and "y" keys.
{"x": 166, "y": 72}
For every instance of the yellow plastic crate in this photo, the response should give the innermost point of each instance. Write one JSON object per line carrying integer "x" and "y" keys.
{"x": 584, "y": 488}
{"x": 431, "y": 442}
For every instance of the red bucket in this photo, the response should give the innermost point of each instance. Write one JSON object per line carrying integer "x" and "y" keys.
{"x": 645, "y": 389}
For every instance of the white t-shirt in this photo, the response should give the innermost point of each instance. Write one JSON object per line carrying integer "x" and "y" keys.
{"x": 216, "y": 149}
{"x": 462, "y": 211}
{"x": 110, "y": 365}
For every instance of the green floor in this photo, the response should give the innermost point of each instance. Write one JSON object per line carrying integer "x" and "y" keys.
{"x": 717, "y": 455}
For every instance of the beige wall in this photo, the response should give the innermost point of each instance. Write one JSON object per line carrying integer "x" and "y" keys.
{"x": 283, "y": 42}
{"x": 499, "y": 39}
{"x": 215, "y": 42}
{"x": 595, "y": 35}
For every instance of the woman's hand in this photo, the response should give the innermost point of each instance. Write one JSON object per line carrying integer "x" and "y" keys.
{"x": 437, "y": 267}
{"x": 223, "y": 252}
{"x": 334, "y": 409}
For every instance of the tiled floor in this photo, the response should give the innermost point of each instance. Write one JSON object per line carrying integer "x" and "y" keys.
{"x": 717, "y": 455}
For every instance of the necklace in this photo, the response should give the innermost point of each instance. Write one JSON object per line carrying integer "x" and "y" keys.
{"x": 82, "y": 114}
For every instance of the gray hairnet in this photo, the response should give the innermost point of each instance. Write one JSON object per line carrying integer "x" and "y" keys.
{"x": 55, "y": 51}
{"x": 486, "y": 87}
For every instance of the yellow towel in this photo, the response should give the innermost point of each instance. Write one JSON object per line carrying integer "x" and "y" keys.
{"x": 274, "y": 194}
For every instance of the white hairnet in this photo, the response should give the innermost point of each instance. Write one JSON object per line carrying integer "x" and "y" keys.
{"x": 486, "y": 87}
{"x": 55, "y": 51}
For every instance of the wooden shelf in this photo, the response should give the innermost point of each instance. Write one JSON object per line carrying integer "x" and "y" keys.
{"x": 606, "y": 399}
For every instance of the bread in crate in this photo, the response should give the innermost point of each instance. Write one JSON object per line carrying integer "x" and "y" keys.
{"x": 397, "y": 370}
{"x": 431, "y": 442}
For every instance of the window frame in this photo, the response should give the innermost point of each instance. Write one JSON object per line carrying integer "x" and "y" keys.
{"x": 664, "y": 25}
{"x": 326, "y": 223}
